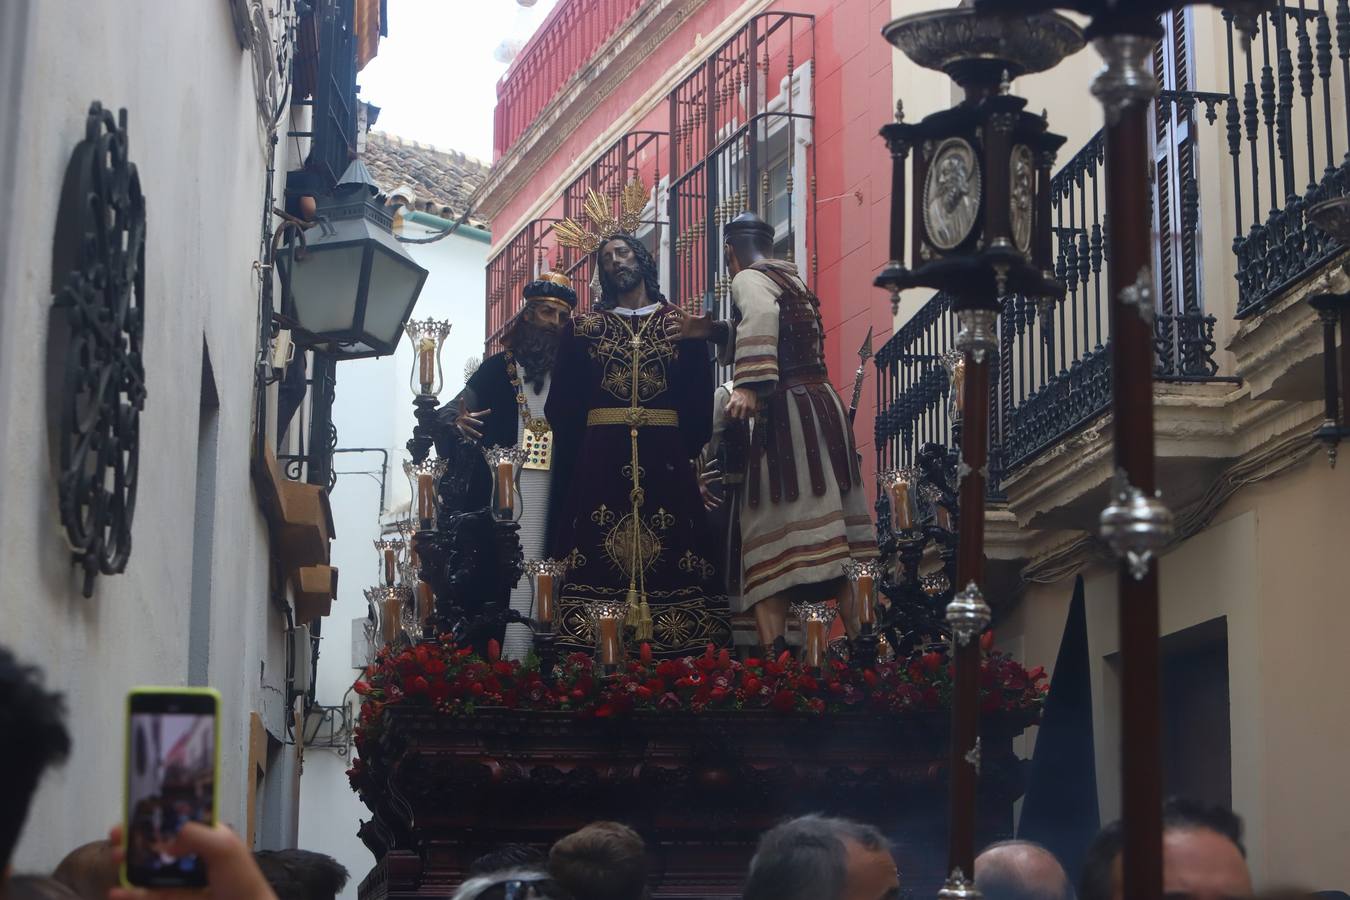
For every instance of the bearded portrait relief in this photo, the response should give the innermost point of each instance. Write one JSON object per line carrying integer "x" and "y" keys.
{"x": 952, "y": 194}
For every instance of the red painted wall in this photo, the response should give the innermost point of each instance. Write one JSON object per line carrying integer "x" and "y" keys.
{"x": 853, "y": 99}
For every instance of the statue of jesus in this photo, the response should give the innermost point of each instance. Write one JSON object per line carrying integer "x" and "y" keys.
{"x": 629, "y": 405}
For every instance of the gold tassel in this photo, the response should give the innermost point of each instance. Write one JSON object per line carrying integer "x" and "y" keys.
{"x": 634, "y": 613}
{"x": 644, "y": 627}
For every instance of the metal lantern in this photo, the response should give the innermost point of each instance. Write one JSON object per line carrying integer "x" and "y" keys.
{"x": 348, "y": 285}
{"x": 428, "y": 337}
{"x": 1333, "y": 217}
{"x": 816, "y": 618}
{"x": 425, "y": 479}
{"x": 391, "y": 558}
{"x": 981, "y": 170}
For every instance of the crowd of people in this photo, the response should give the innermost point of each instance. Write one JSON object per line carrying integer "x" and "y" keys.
{"x": 811, "y": 857}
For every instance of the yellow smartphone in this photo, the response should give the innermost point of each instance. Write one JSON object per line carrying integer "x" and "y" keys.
{"x": 173, "y": 768}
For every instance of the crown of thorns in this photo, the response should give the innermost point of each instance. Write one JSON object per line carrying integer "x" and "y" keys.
{"x": 607, "y": 219}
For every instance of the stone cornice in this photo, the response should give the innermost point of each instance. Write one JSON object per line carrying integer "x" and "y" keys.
{"x": 614, "y": 63}
{"x": 1267, "y": 346}
{"x": 1196, "y": 425}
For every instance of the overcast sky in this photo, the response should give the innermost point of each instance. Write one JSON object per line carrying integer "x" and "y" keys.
{"x": 435, "y": 78}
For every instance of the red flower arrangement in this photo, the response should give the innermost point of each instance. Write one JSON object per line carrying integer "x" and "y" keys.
{"x": 456, "y": 681}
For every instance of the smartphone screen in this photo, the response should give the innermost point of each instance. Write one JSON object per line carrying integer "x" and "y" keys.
{"x": 171, "y": 780}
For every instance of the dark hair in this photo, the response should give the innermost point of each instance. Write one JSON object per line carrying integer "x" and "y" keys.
{"x": 32, "y": 721}
{"x": 651, "y": 274}
{"x": 509, "y": 856}
{"x": 603, "y": 861}
{"x": 749, "y": 236}
{"x": 302, "y": 874}
{"x": 1095, "y": 882}
{"x": 89, "y": 870}
{"x": 36, "y": 887}
{"x": 805, "y": 858}
{"x": 1002, "y": 879}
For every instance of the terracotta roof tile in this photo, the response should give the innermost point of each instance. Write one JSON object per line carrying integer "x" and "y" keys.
{"x": 439, "y": 181}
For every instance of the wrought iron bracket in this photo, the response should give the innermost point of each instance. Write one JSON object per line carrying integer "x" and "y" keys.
{"x": 96, "y": 341}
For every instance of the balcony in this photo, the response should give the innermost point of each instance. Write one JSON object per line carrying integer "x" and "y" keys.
{"x": 1050, "y": 434}
{"x": 564, "y": 44}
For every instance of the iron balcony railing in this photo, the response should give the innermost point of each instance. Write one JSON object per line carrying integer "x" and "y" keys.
{"x": 563, "y": 46}
{"x": 1054, "y": 372}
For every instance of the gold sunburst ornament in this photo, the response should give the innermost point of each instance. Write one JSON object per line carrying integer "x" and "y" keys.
{"x": 607, "y": 219}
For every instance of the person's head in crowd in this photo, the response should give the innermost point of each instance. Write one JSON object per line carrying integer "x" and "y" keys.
{"x": 1020, "y": 870}
{"x": 89, "y": 870}
{"x": 818, "y": 858}
{"x": 603, "y": 861}
{"x": 39, "y": 717}
{"x": 35, "y": 887}
{"x": 302, "y": 874}
{"x": 513, "y": 884}
{"x": 231, "y": 871}
{"x": 1203, "y": 857}
{"x": 509, "y": 856}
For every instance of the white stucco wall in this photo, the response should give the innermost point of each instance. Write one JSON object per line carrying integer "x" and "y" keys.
{"x": 374, "y": 409}
{"x": 194, "y": 135}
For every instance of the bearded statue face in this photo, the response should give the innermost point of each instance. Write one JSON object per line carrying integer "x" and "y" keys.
{"x": 534, "y": 340}
{"x": 619, "y": 265}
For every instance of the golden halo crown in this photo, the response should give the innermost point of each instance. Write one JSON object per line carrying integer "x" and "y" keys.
{"x": 607, "y": 220}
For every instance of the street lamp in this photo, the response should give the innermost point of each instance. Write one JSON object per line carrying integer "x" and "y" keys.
{"x": 348, "y": 286}
{"x": 982, "y": 230}
{"x": 1136, "y": 524}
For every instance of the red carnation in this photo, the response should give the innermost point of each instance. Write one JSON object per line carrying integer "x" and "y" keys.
{"x": 724, "y": 658}
{"x": 645, "y": 654}
{"x": 362, "y": 687}
{"x": 494, "y": 650}
{"x": 751, "y": 684}
{"x": 718, "y": 693}
{"x": 418, "y": 686}
{"x": 987, "y": 641}
{"x": 932, "y": 661}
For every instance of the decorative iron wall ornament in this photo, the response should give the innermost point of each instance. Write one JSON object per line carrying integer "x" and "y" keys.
{"x": 97, "y": 328}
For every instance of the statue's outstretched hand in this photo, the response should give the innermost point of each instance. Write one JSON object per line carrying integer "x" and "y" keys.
{"x": 708, "y": 476}
{"x": 684, "y": 326}
{"x": 470, "y": 422}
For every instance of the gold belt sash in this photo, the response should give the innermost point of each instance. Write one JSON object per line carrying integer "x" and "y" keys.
{"x": 634, "y": 418}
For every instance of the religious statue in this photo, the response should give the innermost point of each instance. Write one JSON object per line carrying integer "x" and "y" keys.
{"x": 803, "y": 513}
{"x": 629, "y": 407}
{"x": 502, "y": 405}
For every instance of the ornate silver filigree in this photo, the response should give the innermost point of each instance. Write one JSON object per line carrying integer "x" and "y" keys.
{"x": 945, "y": 39}
{"x": 963, "y": 469}
{"x": 951, "y": 194}
{"x": 976, "y": 334}
{"x": 1022, "y": 203}
{"x": 1127, "y": 78}
{"x": 958, "y": 887}
{"x": 973, "y": 756}
{"x": 1134, "y": 525}
{"x": 1139, "y": 296}
{"x": 968, "y": 615}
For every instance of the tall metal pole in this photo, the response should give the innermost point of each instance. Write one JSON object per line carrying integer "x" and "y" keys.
{"x": 1135, "y": 524}
{"x": 968, "y": 614}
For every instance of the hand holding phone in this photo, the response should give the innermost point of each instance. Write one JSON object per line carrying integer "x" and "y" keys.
{"x": 231, "y": 870}
{"x": 172, "y": 762}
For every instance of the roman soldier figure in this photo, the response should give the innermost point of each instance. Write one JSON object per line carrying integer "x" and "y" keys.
{"x": 802, "y": 509}
{"x": 503, "y": 405}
